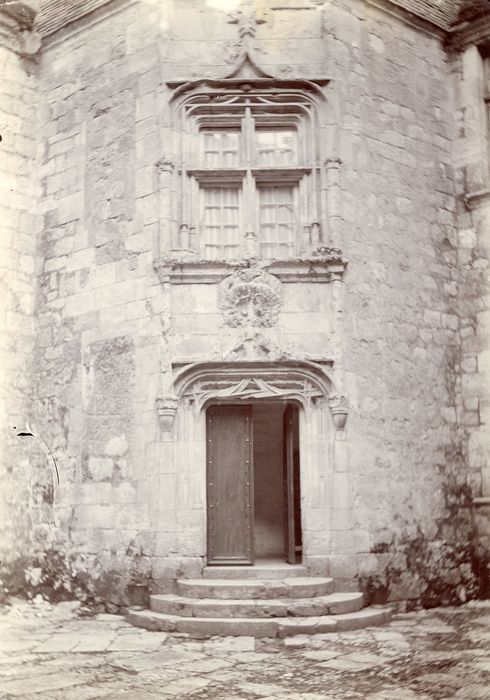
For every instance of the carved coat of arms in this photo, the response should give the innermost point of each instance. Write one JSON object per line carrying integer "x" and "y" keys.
{"x": 250, "y": 297}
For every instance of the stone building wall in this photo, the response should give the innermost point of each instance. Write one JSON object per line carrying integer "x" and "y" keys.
{"x": 19, "y": 229}
{"x": 402, "y": 326}
{"x": 107, "y": 326}
{"x": 471, "y": 71}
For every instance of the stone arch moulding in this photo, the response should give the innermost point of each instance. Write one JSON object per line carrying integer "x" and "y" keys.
{"x": 198, "y": 384}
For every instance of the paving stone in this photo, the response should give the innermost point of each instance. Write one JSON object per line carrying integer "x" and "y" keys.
{"x": 16, "y": 645}
{"x": 91, "y": 692}
{"x": 338, "y": 666}
{"x": 384, "y": 636}
{"x": 321, "y": 654}
{"x": 40, "y": 684}
{"x": 364, "y": 658}
{"x": 343, "y": 664}
{"x": 401, "y": 694}
{"x": 429, "y": 628}
{"x": 248, "y": 657}
{"x": 98, "y": 642}
{"x": 167, "y": 656}
{"x": 262, "y": 689}
{"x": 186, "y": 685}
{"x": 204, "y": 665}
{"x": 473, "y": 692}
{"x": 482, "y": 665}
{"x": 234, "y": 644}
{"x": 58, "y": 642}
{"x": 137, "y": 642}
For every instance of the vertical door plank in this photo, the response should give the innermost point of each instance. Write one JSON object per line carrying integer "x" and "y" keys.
{"x": 230, "y": 485}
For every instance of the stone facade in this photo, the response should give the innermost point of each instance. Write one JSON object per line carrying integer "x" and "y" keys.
{"x": 386, "y": 319}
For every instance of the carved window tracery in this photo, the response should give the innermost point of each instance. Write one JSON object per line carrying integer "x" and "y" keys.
{"x": 250, "y": 175}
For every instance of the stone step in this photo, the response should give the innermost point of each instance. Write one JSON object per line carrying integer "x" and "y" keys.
{"x": 296, "y": 587}
{"x": 333, "y": 604}
{"x": 202, "y": 627}
{"x": 260, "y": 571}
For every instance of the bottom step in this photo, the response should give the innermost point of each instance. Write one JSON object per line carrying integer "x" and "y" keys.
{"x": 259, "y": 627}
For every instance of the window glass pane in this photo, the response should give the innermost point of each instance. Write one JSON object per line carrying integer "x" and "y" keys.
{"x": 276, "y": 147}
{"x": 220, "y": 148}
{"x": 276, "y": 220}
{"x": 220, "y": 218}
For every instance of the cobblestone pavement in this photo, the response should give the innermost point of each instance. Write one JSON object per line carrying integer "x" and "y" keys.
{"x": 51, "y": 652}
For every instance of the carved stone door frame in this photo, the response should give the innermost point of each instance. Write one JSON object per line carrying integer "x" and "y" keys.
{"x": 325, "y": 491}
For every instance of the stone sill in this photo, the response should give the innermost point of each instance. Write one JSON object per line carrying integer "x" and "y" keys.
{"x": 481, "y": 501}
{"x": 195, "y": 271}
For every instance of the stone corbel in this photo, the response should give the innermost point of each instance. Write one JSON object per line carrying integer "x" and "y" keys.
{"x": 339, "y": 408}
{"x": 164, "y": 165}
{"x": 166, "y": 408}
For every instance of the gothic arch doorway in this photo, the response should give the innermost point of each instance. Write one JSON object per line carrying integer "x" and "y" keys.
{"x": 199, "y": 386}
{"x": 253, "y": 482}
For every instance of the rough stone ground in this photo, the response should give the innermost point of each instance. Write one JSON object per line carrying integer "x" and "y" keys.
{"x": 53, "y": 652}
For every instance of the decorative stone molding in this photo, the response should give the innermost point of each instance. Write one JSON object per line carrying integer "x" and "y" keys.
{"x": 166, "y": 408}
{"x": 251, "y": 388}
{"x": 325, "y": 265}
{"x": 247, "y": 20}
{"x": 301, "y": 381}
{"x": 339, "y": 408}
{"x": 254, "y": 346}
{"x": 244, "y": 51}
{"x": 164, "y": 165}
{"x": 250, "y": 297}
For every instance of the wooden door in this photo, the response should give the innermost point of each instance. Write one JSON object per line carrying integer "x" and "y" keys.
{"x": 289, "y": 487}
{"x": 230, "y": 485}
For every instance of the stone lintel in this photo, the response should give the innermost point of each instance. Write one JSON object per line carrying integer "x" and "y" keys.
{"x": 313, "y": 269}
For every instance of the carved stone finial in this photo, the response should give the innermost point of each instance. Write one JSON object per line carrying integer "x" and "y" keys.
{"x": 166, "y": 408}
{"x": 246, "y": 65}
{"x": 247, "y": 20}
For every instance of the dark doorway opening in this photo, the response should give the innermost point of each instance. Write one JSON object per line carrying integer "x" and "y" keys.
{"x": 253, "y": 483}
